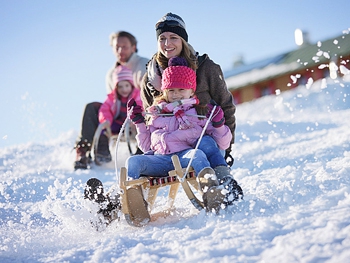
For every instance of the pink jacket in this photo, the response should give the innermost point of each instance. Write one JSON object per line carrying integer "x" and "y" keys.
{"x": 111, "y": 108}
{"x": 163, "y": 135}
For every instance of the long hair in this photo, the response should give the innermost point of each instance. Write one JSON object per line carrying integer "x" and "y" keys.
{"x": 187, "y": 52}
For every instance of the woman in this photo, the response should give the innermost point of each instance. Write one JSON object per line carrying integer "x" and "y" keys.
{"x": 172, "y": 41}
{"x": 174, "y": 128}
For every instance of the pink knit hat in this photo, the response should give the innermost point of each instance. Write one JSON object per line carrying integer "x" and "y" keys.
{"x": 122, "y": 73}
{"x": 178, "y": 75}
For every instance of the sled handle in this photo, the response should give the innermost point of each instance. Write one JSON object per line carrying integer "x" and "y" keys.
{"x": 102, "y": 126}
{"x": 117, "y": 144}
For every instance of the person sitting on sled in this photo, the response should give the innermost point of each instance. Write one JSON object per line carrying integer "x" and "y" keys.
{"x": 173, "y": 41}
{"x": 124, "y": 47}
{"x": 175, "y": 126}
{"x": 114, "y": 109}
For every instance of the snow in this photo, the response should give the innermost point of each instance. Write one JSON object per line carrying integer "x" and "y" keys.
{"x": 292, "y": 159}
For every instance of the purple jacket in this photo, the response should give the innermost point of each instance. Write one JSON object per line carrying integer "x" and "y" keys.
{"x": 163, "y": 136}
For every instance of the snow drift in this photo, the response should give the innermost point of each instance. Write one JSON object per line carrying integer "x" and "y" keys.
{"x": 292, "y": 159}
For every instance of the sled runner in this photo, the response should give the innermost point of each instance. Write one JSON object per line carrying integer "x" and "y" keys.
{"x": 137, "y": 197}
{"x": 128, "y": 136}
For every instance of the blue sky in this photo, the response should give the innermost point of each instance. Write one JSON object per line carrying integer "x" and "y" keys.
{"x": 54, "y": 54}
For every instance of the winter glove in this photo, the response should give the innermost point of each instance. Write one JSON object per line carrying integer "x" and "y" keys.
{"x": 218, "y": 116}
{"x": 184, "y": 123}
{"x": 228, "y": 157}
{"x": 135, "y": 112}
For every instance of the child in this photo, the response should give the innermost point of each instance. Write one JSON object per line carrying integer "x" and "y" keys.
{"x": 113, "y": 111}
{"x": 179, "y": 132}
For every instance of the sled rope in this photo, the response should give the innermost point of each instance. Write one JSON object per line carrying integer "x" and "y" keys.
{"x": 198, "y": 142}
{"x": 172, "y": 114}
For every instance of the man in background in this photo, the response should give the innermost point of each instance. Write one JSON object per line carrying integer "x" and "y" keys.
{"x": 124, "y": 46}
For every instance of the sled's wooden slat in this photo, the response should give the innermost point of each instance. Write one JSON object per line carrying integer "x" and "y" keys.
{"x": 139, "y": 181}
{"x": 184, "y": 183}
{"x": 151, "y": 185}
{"x": 172, "y": 194}
{"x": 151, "y": 197}
{"x": 156, "y": 182}
{"x": 125, "y": 208}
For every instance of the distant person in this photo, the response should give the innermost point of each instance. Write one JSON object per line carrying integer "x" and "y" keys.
{"x": 114, "y": 110}
{"x": 124, "y": 47}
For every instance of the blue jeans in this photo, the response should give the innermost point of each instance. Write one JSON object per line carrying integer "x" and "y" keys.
{"x": 211, "y": 150}
{"x": 159, "y": 165}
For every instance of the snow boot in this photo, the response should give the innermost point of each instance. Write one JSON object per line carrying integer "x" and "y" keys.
{"x": 206, "y": 179}
{"x": 108, "y": 207}
{"x": 138, "y": 207}
{"x": 83, "y": 158}
{"x": 103, "y": 154}
{"x": 208, "y": 185}
{"x": 222, "y": 171}
{"x": 232, "y": 190}
{"x": 94, "y": 190}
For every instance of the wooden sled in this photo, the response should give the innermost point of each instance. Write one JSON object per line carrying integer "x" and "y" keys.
{"x": 138, "y": 196}
{"x": 128, "y": 137}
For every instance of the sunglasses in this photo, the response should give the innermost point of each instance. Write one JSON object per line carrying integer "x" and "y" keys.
{"x": 171, "y": 23}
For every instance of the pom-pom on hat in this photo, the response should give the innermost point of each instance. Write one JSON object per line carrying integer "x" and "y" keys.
{"x": 172, "y": 23}
{"x": 178, "y": 75}
{"x": 122, "y": 73}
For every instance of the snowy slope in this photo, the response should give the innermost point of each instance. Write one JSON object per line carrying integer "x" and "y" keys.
{"x": 292, "y": 159}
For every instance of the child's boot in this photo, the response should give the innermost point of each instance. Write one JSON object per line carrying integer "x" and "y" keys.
{"x": 208, "y": 185}
{"x": 108, "y": 207}
{"x": 233, "y": 190}
{"x": 82, "y": 160}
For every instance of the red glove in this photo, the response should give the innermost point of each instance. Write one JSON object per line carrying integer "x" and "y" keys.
{"x": 135, "y": 112}
{"x": 218, "y": 118}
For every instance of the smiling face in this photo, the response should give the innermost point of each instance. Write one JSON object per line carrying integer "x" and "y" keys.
{"x": 175, "y": 94}
{"x": 124, "y": 88}
{"x": 169, "y": 44}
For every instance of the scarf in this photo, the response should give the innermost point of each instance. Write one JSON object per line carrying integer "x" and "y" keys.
{"x": 177, "y": 108}
{"x": 153, "y": 75}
